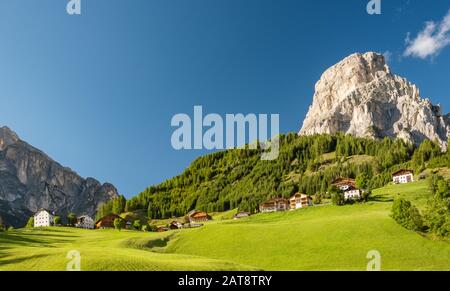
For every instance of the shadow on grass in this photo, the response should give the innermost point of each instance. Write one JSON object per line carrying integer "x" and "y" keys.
{"x": 382, "y": 198}
{"x": 7, "y": 261}
{"x": 33, "y": 239}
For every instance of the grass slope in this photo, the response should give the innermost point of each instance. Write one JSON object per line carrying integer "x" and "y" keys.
{"x": 100, "y": 250}
{"x": 318, "y": 238}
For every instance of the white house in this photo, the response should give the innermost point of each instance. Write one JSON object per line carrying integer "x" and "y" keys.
{"x": 300, "y": 201}
{"x": 352, "y": 193}
{"x": 403, "y": 176}
{"x": 85, "y": 221}
{"x": 43, "y": 218}
{"x": 348, "y": 187}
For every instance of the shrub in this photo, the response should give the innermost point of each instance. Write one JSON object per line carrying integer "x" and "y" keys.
{"x": 137, "y": 224}
{"x": 406, "y": 214}
{"x": 317, "y": 199}
{"x": 71, "y": 219}
{"x": 437, "y": 216}
{"x": 119, "y": 224}
{"x": 30, "y": 223}
{"x": 366, "y": 195}
{"x": 57, "y": 220}
{"x": 338, "y": 198}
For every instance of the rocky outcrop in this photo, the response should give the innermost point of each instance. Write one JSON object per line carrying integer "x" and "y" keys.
{"x": 360, "y": 96}
{"x": 30, "y": 180}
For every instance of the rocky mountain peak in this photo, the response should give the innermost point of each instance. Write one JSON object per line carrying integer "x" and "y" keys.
{"x": 360, "y": 96}
{"x": 30, "y": 180}
{"x": 7, "y": 137}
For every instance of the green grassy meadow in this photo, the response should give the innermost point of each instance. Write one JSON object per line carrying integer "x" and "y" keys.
{"x": 318, "y": 238}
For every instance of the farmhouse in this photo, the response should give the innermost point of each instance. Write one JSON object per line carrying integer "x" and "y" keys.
{"x": 175, "y": 225}
{"x": 403, "y": 176}
{"x": 300, "y": 201}
{"x": 198, "y": 216}
{"x": 85, "y": 221}
{"x": 107, "y": 221}
{"x": 274, "y": 205}
{"x": 162, "y": 229}
{"x": 348, "y": 186}
{"x": 241, "y": 215}
{"x": 344, "y": 184}
{"x": 43, "y": 218}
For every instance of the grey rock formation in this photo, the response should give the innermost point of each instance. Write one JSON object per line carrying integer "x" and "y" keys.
{"x": 360, "y": 96}
{"x": 30, "y": 180}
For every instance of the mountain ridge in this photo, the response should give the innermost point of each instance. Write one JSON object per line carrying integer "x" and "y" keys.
{"x": 30, "y": 179}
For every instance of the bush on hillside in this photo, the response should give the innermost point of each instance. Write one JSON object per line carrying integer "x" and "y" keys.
{"x": 366, "y": 195}
{"x": 137, "y": 224}
{"x": 57, "y": 220}
{"x": 437, "y": 216}
{"x": 406, "y": 214}
{"x": 30, "y": 222}
{"x": 338, "y": 198}
{"x": 119, "y": 224}
{"x": 71, "y": 219}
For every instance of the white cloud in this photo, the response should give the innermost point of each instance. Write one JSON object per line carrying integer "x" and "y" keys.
{"x": 430, "y": 41}
{"x": 387, "y": 56}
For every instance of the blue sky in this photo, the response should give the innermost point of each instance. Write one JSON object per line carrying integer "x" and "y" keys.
{"x": 97, "y": 91}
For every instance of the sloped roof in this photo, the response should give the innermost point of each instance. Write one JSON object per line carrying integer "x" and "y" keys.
{"x": 112, "y": 215}
{"x": 43, "y": 209}
{"x": 193, "y": 212}
{"x": 402, "y": 172}
{"x": 275, "y": 200}
{"x": 344, "y": 181}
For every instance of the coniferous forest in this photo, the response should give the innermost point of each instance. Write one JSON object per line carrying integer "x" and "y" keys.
{"x": 238, "y": 178}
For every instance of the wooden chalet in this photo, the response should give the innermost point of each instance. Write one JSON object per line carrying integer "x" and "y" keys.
{"x": 175, "y": 225}
{"x": 300, "y": 200}
{"x": 274, "y": 205}
{"x": 344, "y": 183}
{"x": 198, "y": 216}
{"x": 241, "y": 215}
{"x": 107, "y": 221}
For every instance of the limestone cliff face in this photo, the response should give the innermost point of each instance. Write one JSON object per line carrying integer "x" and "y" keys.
{"x": 360, "y": 96}
{"x": 30, "y": 180}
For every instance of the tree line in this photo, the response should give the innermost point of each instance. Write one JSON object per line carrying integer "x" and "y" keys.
{"x": 238, "y": 178}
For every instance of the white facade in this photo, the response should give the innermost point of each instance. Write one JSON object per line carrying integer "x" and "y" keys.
{"x": 43, "y": 218}
{"x": 274, "y": 206}
{"x": 352, "y": 194}
{"x": 85, "y": 222}
{"x": 300, "y": 201}
{"x": 402, "y": 179}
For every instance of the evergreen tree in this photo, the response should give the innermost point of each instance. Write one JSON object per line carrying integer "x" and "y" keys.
{"x": 30, "y": 223}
